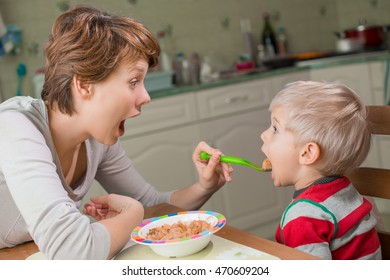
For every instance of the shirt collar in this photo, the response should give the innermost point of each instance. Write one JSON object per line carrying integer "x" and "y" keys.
{"x": 323, "y": 180}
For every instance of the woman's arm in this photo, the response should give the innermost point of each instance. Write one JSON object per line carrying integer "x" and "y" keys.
{"x": 119, "y": 214}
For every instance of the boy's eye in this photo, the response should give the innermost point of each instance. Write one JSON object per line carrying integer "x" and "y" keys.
{"x": 133, "y": 83}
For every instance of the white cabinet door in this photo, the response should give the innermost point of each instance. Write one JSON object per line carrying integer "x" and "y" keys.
{"x": 161, "y": 141}
{"x": 163, "y": 113}
{"x": 165, "y": 158}
{"x": 355, "y": 76}
{"x": 378, "y": 77}
{"x": 250, "y": 200}
{"x": 279, "y": 81}
{"x": 227, "y": 100}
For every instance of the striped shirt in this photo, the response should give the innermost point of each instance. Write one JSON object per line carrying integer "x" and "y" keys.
{"x": 330, "y": 220}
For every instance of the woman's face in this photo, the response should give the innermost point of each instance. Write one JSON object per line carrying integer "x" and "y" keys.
{"x": 116, "y": 99}
{"x": 280, "y": 148}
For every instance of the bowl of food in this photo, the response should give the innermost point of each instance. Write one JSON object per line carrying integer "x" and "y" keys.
{"x": 178, "y": 234}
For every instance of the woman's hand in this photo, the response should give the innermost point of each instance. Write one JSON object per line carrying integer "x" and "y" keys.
{"x": 213, "y": 174}
{"x": 119, "y": 214}
{"x": 108, "y": 206}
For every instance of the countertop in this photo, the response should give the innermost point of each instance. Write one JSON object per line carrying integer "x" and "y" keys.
{"x": 306, "y": 65}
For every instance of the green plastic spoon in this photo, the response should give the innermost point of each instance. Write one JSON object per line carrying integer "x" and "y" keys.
{"x": 234, "y": 160}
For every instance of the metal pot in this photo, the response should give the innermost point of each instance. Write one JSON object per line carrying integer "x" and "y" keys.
{"x": 373, "y": 36}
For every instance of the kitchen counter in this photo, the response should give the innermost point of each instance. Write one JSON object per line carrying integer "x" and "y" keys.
{"x": 306, "y": 65}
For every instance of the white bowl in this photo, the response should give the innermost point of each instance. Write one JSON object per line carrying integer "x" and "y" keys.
{"x": 183, "y": 246}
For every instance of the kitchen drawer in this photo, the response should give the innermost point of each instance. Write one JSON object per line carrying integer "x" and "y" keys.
{"x": 162, "y": 113}
{"x": 233, "y": 98}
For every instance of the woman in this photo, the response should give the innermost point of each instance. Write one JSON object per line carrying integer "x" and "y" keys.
{"x": 52, "y": 149}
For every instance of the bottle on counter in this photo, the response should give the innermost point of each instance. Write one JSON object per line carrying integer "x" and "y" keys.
{"x": 260, "y": 55}
{"x": 268, "y": 37}
{"x": 194, "y": 69}
{"x": 206, "y": 71}
{"x": 165, "y": 64}
{"x": 246, "y": 31}
{"x": 282, "y": 41}
{"x": 181, "y": 70}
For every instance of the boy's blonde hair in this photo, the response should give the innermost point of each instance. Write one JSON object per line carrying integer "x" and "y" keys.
{"x": 331, "y": 115}
{"x": 91, "y": 44}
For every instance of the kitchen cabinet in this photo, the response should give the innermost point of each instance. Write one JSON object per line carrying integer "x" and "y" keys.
{"x": 377, "y": 77}
{"x": 250, "y": 200}
{"x": 355, "y": 76}
{"x": 362, "y": 78}
{"x": 382, "y": 142}
{"x": 232, "y": 119}
{"x": 165, "y": 158}
{"x": 367, "y": 79}
{"x": 160, "y": 142}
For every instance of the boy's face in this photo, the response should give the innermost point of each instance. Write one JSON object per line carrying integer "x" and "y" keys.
{"x": 280, "y": 148}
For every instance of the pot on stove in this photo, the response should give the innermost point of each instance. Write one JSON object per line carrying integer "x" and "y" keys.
{"x": 373, "y": 36}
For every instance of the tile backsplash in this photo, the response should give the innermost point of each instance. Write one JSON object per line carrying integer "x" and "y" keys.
{"x": 209, "y": 27}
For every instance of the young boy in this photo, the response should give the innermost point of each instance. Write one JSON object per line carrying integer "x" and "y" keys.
{"x": 318, "y": 134}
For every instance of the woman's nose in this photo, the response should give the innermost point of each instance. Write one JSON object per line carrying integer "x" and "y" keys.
{"x": 145, "y": 97}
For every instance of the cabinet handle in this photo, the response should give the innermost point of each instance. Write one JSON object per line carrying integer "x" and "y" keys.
{"x": 236, "y": 99}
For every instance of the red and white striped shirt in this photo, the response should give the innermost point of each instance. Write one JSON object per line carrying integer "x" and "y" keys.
{"x": 332, "y": 221}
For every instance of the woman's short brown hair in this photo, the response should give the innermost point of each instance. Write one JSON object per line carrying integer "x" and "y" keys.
{"x": 91, "y": 44}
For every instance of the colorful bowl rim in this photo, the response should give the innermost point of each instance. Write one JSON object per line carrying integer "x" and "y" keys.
{"x": 137, "y": 238}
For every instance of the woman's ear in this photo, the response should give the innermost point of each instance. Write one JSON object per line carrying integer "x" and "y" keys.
{"x": 83, "y": 90}
{"x": 309, "y": 154}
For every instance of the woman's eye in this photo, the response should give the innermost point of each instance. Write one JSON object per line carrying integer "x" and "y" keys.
{"x": 274, "y": 129}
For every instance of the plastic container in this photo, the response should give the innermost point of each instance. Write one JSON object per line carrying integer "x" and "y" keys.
{"x": 282, "y": 41}
{"x": 155, "y": 81}
{"x": 38, "y": 81}
{"x": 165, "y": 64}
{"x": 181, "y": 69}
{"x": 195, "y": 69}
{"x": 206, "y": 71}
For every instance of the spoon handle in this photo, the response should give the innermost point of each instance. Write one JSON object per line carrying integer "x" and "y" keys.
{"x": 233, "y": 160}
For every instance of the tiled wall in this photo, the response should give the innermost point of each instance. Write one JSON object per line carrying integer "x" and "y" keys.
{"x": 209, "y": 27}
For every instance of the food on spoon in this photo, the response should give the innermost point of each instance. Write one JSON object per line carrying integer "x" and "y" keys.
{"x": 178, "y": 230}
{"x": 267, "y": 166}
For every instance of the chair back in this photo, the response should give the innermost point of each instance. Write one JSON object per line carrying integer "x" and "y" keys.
{"x": 375, "y": 182}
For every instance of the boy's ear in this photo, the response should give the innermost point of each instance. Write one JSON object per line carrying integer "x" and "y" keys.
{"x": 83, "y": 90}
{"x": 309, "y": 154}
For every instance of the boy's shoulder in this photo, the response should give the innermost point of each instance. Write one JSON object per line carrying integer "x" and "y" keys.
{"x": 325, "y": 188}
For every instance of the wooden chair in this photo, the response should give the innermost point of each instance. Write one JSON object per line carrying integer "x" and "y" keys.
{"x": 375, "y": 182}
